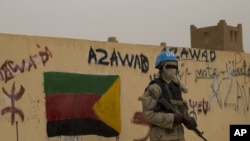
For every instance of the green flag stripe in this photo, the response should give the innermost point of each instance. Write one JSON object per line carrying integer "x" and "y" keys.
{"x": 61, "y": 82}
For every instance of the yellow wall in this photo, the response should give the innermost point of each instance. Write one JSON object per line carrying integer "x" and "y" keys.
{"x": 218, "y": 81}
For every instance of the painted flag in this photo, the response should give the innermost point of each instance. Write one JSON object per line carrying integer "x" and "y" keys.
{"x": 82, "y": 104}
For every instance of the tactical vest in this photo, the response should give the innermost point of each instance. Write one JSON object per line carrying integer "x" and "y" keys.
{"x": 172, "y": 93}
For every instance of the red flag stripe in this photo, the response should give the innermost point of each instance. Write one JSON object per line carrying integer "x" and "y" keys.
{"x": 70, "y": 106}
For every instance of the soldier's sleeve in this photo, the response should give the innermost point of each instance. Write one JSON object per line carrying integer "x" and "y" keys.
{"x": 149, "y": 102}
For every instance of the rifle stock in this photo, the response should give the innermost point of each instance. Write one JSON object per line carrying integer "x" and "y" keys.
{"x": 167, "y": 106}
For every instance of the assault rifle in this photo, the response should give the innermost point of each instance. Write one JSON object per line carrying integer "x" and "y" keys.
{"x": 167, "y": 106}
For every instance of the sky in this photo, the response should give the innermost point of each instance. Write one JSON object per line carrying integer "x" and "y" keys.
{"x": 147, "y": 22}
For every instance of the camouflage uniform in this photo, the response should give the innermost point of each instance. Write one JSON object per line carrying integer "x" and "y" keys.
{"x": 163, "y": 126}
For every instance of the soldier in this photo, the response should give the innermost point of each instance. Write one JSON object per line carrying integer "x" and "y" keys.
{"x": 166, "y": 126}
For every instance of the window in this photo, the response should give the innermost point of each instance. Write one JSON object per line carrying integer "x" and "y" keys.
{"x": 233, "y": 36}
{"x": 206, "y": 37}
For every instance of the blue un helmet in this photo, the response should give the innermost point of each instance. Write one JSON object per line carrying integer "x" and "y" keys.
{"x": 164, "y": 56}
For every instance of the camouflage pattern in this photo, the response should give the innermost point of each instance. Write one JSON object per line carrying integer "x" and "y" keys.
{"x": 163, "y": 126}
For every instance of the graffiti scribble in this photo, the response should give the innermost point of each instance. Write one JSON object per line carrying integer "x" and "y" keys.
{"x": 14, "y": 96}
{"x": 10, "y": 68}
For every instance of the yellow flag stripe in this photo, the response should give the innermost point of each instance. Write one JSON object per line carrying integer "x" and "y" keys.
{"x": 107, "y": 108}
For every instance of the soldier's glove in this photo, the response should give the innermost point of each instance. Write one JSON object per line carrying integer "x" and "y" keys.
{"x": 177, "y": 118}
{"x": 189, "y": 123}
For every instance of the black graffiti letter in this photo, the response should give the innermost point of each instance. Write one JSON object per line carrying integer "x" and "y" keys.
{"x": 212, "y": 55}
{"x": 113, "y": 58}
{"x": 126, "y": 59}
{"x": 105, "y": 56}
{"x": 194, "y": 54}
{"x": 173, "y": 49}
{"x": 144, "y": 63}
{"x": 92, "y": 55}
{"x": 137, "y": 61}
{"x": 204, "y": 55}
{"x": 184, "y": 52}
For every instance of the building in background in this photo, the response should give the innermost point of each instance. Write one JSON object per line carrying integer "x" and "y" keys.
{"x": 219, "y": 37}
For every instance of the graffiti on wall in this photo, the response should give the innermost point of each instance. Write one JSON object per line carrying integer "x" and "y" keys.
{"x": 101, "y": 56}
{"x": 14, "y": 96}
{"x": 194, "y": 54}
{"x": 219, "y": 81}
{"x": 8, "y": 71}
{"x": 233, "y": 68}
{"x": 9, "y": 68}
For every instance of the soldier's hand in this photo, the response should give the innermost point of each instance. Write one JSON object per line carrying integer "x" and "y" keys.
{"x": 189, "y": 123}
{"x": 177, "y": 118}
